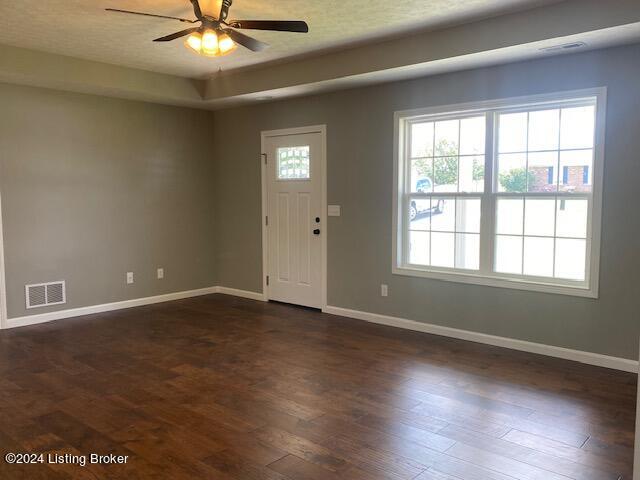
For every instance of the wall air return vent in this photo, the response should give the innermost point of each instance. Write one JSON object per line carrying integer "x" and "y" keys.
{"x": 45, "y": 294}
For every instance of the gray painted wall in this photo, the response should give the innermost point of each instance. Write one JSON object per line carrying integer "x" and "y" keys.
{"x": 94, "y": 187}
{"x": 360, "y": 156}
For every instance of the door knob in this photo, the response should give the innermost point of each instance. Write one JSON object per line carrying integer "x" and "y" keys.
{"x": 316, "y": 231}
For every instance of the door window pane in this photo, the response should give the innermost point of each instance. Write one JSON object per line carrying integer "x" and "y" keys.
{"x": 293, "y": 163}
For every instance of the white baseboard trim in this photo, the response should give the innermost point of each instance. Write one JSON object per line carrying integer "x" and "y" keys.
{"x": 522, "y": 345}
{"x": 136, "y": 302}
{"x": 241, "y": 293}
{"x": 514, "y": 344}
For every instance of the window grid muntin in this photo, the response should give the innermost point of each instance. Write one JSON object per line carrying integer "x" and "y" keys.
{"x": 409, "y": 195}
{"x": 490, "y": 196}
{"x": 559, "y": 105}
{"x": 410, "y": 159}
{"x": 555, "y": 195}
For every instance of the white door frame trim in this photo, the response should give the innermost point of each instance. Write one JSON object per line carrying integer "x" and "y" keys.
{"x": 322, "y": 130}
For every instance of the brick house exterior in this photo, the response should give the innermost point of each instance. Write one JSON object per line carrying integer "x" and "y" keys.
{"x": 572, "y": 179}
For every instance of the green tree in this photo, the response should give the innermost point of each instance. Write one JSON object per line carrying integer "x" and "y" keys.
{"x": 443, "y": 169}
{"x": 516, "y": 180}
{"x": 478, "y": 171}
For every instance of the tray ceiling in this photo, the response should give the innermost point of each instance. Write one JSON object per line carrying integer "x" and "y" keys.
{"x": 83, "y": 29}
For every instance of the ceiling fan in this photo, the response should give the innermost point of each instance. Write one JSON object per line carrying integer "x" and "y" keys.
{"x": 217, "y": 36}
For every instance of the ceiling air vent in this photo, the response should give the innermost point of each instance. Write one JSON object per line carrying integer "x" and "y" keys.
{"x": 45, "y": 294}
{"x": 566, "y": 46}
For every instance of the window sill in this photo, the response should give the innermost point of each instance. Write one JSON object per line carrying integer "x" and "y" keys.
{"x": 499, "y": 282}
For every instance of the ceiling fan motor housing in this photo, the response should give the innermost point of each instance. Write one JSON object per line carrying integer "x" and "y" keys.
{"x": 217, "y": 25}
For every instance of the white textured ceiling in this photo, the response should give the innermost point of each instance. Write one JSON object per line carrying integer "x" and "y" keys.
{"x": 81, "y": 28}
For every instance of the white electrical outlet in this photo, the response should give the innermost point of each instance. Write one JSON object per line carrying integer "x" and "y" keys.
{"x": 129, "y": 278}
{"x": 160, "y": 273}
{"x": 384, "y": 290}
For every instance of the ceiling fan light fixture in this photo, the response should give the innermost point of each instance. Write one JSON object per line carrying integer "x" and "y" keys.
{"x": 212, "y": 39}
{"x": 210, "y": 43}
{"x": 225, "y": 44}
{"x": 194, "y": 42}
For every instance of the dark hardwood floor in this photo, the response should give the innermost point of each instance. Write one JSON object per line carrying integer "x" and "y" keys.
{"x": 223, "y": 388}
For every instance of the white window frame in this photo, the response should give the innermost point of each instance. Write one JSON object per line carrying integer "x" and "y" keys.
{"x": 485, "y": 276}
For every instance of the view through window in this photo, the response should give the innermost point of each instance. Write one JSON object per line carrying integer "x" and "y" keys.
{"x": 505, "y": 192}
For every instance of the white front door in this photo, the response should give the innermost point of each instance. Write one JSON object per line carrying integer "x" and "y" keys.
{"x": 295, "y": 218}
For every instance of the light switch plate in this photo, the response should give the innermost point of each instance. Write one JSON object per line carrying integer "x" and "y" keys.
{"x": 334, "y": 210}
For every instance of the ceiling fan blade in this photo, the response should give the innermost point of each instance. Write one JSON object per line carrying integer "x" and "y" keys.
{"x": 150, "y": 15}
{"x": 224, "y": 11}
{"x": 196, "y": 9}
{"x": 173, "y": 36}
{"x": 276, "y": 25}
{"x": 246, "y": 41}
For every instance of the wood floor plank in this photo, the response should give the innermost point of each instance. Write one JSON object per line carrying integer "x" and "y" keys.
{"x": 375, "y": 460}
{"x": 218, "y": 387}
{"x": 396, "y": 440}
{"x": 530, "y": 455}
{"x": 296, "y": 468}
{"x": 240, "y": 467}
{"x": 434, "y": 475}
{"x": 578, "y": 455}
{"x": 300, "y": 447}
